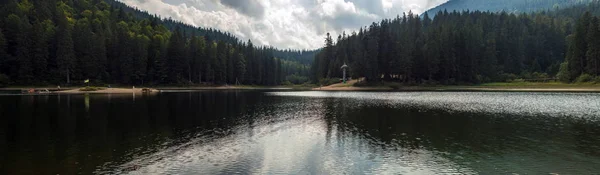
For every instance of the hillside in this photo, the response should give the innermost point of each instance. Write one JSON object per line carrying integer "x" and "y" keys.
{"x": 471, "y": 47}
{"x": 300, "y": 56}
{"x": 513, "y": 6}
{"x": 67, "y": 41}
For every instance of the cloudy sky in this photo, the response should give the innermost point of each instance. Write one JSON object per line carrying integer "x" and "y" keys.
{"x": 296, "y": 24}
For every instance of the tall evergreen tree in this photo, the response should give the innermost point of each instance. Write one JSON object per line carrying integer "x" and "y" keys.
{"x": 593, "y": 50}
{"x": 42, "y": 34}
{"x": 577, "y": 58}
{"x": 3, "y": 54}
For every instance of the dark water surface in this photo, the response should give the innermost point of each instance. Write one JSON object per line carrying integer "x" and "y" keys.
{"x": 257, "y": 132}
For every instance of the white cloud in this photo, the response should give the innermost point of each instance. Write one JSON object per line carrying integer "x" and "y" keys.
{"x": 296, "y": 24}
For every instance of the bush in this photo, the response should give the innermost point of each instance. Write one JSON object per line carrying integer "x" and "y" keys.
{"x": 525, "y": 75}
{"x": 537, "y": 75}
{"x": 563, "y": 73}
{"x": 507, "y": 77}
{"x": 296, "y": 79}
{"x": 584, "y": 78}
{"x": 596, "y": 80}
{"x": 4, "y": 80}
{"x": 87, "y": 89}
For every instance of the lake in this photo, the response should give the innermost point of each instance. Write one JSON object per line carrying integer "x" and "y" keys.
{"x": 301, "y": 132}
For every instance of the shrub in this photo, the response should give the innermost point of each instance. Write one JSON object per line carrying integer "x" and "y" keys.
{"x": 287, "y": 83}
{"x": 296, "y": 79}
{"x": 4, "y": 80}
{"x": 525, "y": 75}
{"x": 507, "y": 77}
{"x": 596, "y": 80}
{"x": 583, "y": 78}
{"x": 563, "y": 73}
{"x": 537, "y": 75}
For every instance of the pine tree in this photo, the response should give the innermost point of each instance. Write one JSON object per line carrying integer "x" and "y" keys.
{"x": 19, "y": 43}
{"x": 140, "y": 59}
{"x": 329, "y": 56}
{"x": 157, "y": 66}
{"x": 489, "y": 60}
{"x": 176, "y": 56}
{"x": 83, "y": 42}
{"x": 593, "y": 50}
{"x": 65, "y": 54}
{"x": 240, "y": 68}
{"x": 579, "y": 47}
{"x": 42, "y": 34}
{"x": 3, "y": 54}
{"x": 372, "y": 69}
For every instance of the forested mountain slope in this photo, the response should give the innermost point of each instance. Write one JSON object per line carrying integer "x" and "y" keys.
{"x": 469, "y": 47}
{"x": 60, "y": 41}
{"x": 301, "y": 56}
{"x": 511, "y": 6}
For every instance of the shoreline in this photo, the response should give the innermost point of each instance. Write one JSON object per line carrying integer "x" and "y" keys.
{"x": 464, "y": 89}
{"x": 336, "y": 87}
{"x": 492, "y": 87}
{"x": 108, "y": 91}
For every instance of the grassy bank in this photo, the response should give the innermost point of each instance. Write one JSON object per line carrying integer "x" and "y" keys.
{"x": 498, "y": 86}
{"x": 540, "y": 84}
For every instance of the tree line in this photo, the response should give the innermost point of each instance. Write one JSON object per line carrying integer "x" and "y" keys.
{"x": 518, "y": 6}
{"x": 466, "y": 47}
{"x": 67, "y": 41}
{"x": 583, "y": 55}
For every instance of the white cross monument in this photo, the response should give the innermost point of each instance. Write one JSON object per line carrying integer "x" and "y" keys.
{"x": 344, "y": 67}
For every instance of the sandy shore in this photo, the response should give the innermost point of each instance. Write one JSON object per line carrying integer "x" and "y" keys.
{"x": 225, "y": 88}
{"x": 349, "y": 86}
{"x": 106, "y": 91}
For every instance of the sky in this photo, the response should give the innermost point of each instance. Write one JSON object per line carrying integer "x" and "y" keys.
{"x": 284, "y": 24}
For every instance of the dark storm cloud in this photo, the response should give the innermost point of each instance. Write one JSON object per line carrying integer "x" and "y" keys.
{"x": 251, "y": 8}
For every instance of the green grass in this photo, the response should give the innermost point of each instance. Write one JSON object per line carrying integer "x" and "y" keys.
{"x": 493, "y": 86}
{"x": 537, "y": 84}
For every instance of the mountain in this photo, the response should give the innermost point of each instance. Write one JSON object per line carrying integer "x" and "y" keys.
{"x": 513, "y": 6}
{"x": 471, "y": 47}
{"x": 300, "y": 56}
{"x": 46, "y": 42}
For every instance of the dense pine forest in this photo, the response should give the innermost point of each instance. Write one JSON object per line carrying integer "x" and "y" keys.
{"x": 512, "y": 6}
{"x": 63, "y": 42}
{"x": 469, "y": 47}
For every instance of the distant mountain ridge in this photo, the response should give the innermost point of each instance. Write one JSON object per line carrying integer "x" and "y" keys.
{"x": 512, "y": 6}
{"x": 300, "y": 56}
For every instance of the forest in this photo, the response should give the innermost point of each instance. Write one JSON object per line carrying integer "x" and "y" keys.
{"x": 512, "y": 6}
{"x": 64, "y": 42}
{"x": 469, "y": 47}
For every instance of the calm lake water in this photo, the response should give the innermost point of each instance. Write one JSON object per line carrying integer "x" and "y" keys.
{"x": 258, "y": 132}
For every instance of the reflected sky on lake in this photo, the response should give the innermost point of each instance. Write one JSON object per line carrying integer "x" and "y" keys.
{"x": 261, "y": 132}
